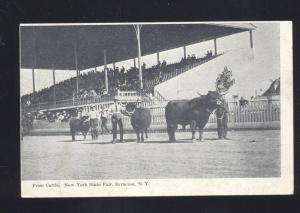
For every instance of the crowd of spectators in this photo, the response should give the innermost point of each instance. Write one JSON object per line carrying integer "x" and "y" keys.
{"x": 27, "y": 118}
{"x": 92, "y": 84}
{"x": 55, "y": 116}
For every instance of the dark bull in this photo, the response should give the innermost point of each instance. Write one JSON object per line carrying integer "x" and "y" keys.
{"x": 140, "y": 120}
{"x": 194, "y": 112}
{"x": 79, "y": 125}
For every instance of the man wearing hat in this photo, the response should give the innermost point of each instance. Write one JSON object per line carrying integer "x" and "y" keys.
{"x": 116, "y": 110}
{"x": 223, "y": 83}
{"x": 222, "y": 119}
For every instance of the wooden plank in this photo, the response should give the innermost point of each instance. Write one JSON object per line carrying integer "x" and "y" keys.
{"x": 246, "y": 114}
{"x": 250, "y": 112}
{"x": 242, "y": 114}
{"x": 267, "y": 112}
{"x": 238, "y": 112}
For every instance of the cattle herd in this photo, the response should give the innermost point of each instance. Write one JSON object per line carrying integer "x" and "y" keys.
{"x": 194, "y": 112}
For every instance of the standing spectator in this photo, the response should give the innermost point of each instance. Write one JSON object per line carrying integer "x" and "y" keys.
{"x": 144, "y": 66}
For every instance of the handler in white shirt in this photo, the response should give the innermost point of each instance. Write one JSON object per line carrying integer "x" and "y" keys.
{"x": 117, "y": 110}
{"x": 104, "y": 117}
{"x": 93, "y": 113}
{"x": 94, "y": 122}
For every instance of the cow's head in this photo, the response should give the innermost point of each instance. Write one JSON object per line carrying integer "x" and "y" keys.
{"x": 129, "y": 109}
{"x": 85, "y": 120}
{"x": 214, "y": 99}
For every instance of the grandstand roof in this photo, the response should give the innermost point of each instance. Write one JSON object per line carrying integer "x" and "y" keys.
{"x": 45, "y": 46}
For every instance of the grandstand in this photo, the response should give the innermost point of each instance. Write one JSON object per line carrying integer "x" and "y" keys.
{"x": 99, "y": 89}
{"x": 92, "y": 84}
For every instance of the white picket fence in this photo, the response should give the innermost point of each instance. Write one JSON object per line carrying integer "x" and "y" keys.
{"x": 257, "y": 114}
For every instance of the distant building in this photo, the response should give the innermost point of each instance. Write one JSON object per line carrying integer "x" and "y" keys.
{"x": 272, "y": 93}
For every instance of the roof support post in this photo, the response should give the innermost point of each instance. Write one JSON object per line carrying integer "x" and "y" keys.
{"x": 184, "y": 52}
{"x": 54, "y": 92}
{"x": 215, "y": 44}
{"x": 114, "y": 65}
{"x": 134, "y": 65}
{"x": 77, "y": 70}
{"x": 33, "y": 78}
{"x": 77, "y": 82}
{"x": 157, "y": 57}
{"x": 105, "y": 71}
{"x": 138, "y": 36}
{"x": 33, "y": 82}
{"x": 251, "y": 39}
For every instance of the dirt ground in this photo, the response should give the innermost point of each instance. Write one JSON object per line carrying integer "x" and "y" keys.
{"x": 247, "y": 154}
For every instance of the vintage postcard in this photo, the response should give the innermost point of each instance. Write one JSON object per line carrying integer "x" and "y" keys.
{"x": 156, "y": 109}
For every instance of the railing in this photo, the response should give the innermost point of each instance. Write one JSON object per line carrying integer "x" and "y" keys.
{"x": 121, "y": 96}
{"x": 128, "y": 96}
{"x": 159, "y": 97}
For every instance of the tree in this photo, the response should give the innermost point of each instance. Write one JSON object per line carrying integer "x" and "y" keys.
{"x": 224, "y": 81}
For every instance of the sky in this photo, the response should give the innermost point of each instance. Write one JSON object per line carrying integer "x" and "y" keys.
{"x": 266, "y": 63}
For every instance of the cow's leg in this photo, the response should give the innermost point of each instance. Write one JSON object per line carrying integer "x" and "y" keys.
{"x": 84, "y": 135}
{"x": 169, "y": 130}
{"x": 201, "y": 135}
{"x": 193, "y": 136}
{"x": 193, "y": 127}
{"x": 138, "y": 136}
{"x": 146, "y": 132}
{"x": 73, "y": 135}
{"x": 142, "y": 136}
{"x": 173, "y": 129}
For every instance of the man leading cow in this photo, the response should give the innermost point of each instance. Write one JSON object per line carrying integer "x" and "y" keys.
{"x": 94, "y": 122}
{"x": 117, "y": 110}
{"x": 223, "y": 83}
{"x": 222, "y": 119}
{"x": 104, "y": 116}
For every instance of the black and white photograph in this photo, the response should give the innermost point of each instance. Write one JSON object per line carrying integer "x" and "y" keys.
{"x": 156, "y": 109}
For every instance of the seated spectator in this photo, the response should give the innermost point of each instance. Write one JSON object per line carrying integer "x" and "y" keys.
{"x": 144, "y": 66}
{"x": 207, "y": 53}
